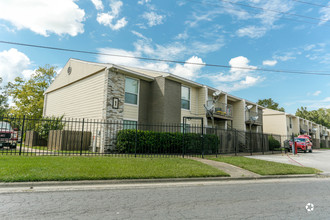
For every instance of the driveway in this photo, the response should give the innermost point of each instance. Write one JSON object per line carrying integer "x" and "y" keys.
{"x": 319, "y": 159}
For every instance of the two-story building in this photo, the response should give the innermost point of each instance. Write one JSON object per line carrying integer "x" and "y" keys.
{"x": 286, "y": 125}
{"x": 134, "y": 95}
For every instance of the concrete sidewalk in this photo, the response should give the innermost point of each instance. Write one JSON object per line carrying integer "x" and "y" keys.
{"x": 233, "y": 171}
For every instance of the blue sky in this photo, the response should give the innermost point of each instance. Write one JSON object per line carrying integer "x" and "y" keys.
{"x": 200, "y": 31}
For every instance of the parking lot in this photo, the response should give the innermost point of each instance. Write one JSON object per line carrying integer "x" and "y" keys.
{"x": 319, "y": 159}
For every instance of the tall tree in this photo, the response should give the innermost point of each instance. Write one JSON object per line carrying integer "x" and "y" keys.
{"x": 271, "y": 104}
{"x": 3, "y": 101}
{"x": 28, "y": 95}
{"x": 320, "y": 116}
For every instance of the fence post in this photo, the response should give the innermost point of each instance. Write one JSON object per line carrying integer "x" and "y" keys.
{"x": 236, "y": 142}
{"x": 202, "y": 138}
{"x": 262, "y": 142}
{"x": 216, "y": 143}
{"x": 183, "y": 139}
{"x": 82, "y": 136}
{"x": 22, "y": 134}
{"x": 250, "y": 140}
{"x": 135, "y": 140}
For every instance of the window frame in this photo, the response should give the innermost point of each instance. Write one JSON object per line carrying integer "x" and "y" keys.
{"x": 189, "y": 89}
{"x": 138, "y": 91}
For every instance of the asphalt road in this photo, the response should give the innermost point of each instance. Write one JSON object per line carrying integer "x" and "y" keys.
{"x": 319, "y": 159}
{"x": 254, "y": 199}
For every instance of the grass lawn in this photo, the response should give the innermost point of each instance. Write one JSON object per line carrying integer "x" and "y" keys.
{"x": 48, "y": 168}
{"x": 325, "y": 148}
{"x": 263, "y": 167}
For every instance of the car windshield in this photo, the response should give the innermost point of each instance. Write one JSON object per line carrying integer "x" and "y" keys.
{"x": 300, "y": 139}
{"x": 5, "y": 125}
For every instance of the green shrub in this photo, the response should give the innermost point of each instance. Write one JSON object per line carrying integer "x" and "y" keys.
{"x": 53, "y": 123}
{"x": 151, "y": 142}
{"x": 273, "y": 143}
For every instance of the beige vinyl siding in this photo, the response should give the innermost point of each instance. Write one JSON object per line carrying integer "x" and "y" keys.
{"x": 275, "y": 124}
{"x": 80, "y": 69}
{"x": 193, "y": 104}
{"x": 82, "y": 99}
{"x": 239, "y": 115}
{"x": 131, "y": 112}
{"x": 201, "y": 100}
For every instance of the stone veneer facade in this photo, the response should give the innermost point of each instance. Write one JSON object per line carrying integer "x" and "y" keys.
{"x": 114, "y": 88}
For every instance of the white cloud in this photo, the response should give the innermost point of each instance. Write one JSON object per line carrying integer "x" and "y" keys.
{"x": 325, "y": 14}
{"x": 316, "y": 104}
{"x": 28, "y": 73}
{"x": 119, "y": 60}
{"x": 249, "y": 81}
{"x": 284, "y": 57}
{"x": 14, "y": 63}
{"x": 182, "y": 36}
{"x": 98, "y": 4}
{"x": 269, "y": 62}
{"x": 44, "y": 17}
{"x": 316, "y": 93}
{"x": 108, "y": 19}
{"x": 309, "y": 47}
{"x": 251, "y": 31}
{"x": 153, "y": 18}
{"x": 189, "y": 71}
{"x": 267, "y": 17}
{"x": 138, "y": 34}
{"x": 141, "y": 2}
{"x": 237, "y": 78}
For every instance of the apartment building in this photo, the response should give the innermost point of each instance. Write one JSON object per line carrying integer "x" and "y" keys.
{"x": 134, "y": 95}
{"x": 284, "y": 124}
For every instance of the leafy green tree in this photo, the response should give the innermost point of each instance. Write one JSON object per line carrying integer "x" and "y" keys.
{"x": 3, "y": 101}
{"x": 271, "y": 104}
{"x": 320, "y": 116}
{"x": 28, "y": 95}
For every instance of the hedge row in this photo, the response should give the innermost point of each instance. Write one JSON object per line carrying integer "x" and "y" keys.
{"x": 273, "y": 143}
{"x": 151, "y": 142}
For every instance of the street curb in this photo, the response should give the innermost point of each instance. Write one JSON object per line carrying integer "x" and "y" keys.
{"x": 135, "y": 181}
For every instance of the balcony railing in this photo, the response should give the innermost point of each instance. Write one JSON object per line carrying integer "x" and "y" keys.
{"x": 253, "y": 117}
{"x": 223, "y": 110}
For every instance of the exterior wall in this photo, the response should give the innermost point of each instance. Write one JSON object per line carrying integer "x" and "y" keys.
{"x": 165, "y": 101}
{"x": 289, "y": 129}
{"x": 202, "y": 98}
{"x": 79, "y": 70}
{"x": 193, "y": 103}
{"x": 115, "y": 88}
{"x": 274, "y": 124}
{"x": 296, "y": 126}
{"x": 157, "y": 100}
{"x": 82, "y": 99}
{"x": 144, "y": 102}
{"x": 239, "y": 115}
{"x": 131, "y": 112}
{"x": 197, "y": 100}
{"x": 172, "y": 102}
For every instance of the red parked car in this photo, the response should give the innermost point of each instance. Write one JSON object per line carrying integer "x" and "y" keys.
{"x": 8, "y": 135}
{"x": 304, "y": 144}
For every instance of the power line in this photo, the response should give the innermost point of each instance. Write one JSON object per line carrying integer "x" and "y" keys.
{"x": 280, "y": 12}
{"x": 165, "y": 60}
{"x": 285, "y": 18}
{"x": 310, "y": 3}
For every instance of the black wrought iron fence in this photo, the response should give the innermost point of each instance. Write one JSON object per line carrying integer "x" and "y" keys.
{"x": 68, "y": 136}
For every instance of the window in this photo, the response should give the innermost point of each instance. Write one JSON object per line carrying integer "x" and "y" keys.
{"x": 130, "y": 124}
{"x": 185, "y": 98}
{"x": 290, "y": 122}
{"x": 131, "y": 91}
